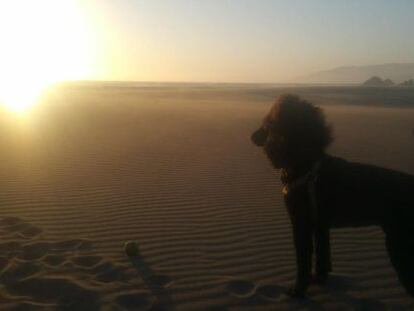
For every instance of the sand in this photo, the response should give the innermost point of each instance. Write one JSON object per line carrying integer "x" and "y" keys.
{"x": 173, "y": 169}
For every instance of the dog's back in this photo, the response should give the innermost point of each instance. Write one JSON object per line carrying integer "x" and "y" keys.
{"x": 355, "y": 194}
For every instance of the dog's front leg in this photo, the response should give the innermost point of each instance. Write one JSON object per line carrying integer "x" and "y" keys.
{"x": 323, "y": 254}
{"x": 302, "y": 235}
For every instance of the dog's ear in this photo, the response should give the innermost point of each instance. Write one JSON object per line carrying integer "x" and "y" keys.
{"x": 259, "y": 137}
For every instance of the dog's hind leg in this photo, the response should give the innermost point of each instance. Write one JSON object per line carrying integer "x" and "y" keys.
{"x": 400, "y": 247}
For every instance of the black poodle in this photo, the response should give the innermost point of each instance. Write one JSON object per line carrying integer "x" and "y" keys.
{"x": 323, "y": 192}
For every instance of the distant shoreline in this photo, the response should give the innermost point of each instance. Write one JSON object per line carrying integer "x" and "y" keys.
{"x": 198, "y": 84}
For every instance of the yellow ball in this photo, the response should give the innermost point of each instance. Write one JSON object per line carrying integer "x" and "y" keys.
{"x": 131, "y": 248}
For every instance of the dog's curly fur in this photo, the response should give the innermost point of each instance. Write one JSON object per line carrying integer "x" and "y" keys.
{"x": 294, "y": 135}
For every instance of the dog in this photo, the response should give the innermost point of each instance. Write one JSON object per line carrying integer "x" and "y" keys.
{"x": 323, "y": 192}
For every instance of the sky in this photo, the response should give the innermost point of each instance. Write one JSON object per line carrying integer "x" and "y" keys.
{"x": 200, "y": 40}
{"x": 247, "y": 40}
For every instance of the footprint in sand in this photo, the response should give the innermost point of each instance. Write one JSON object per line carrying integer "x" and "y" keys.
{"x": 38, "y": 250}
{"x": 67, "y": 275}
{"x": 25, "y": 268}
{"x": 29, "y": 231}
{"x": 10, "y": 249}
{"x": 241, "y": 288}
{"x": 10, "y": 221}
{"x": 86, "y": 261}
{"x": 107, "y": 272}
{"x": 64, "y": 292}
{"x": 33, "y": 251}
{"x": 72, "y": 245}
{"x": 15, "y": 225}
{"x": 54, "y": 260}
{"x": 17, "y": 271}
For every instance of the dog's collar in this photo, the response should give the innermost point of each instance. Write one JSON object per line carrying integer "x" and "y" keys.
{"x": 311, "y": 175}
{"x": 309, "y": 180}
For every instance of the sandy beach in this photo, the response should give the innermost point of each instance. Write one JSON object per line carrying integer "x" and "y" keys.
{"x": 173, "y": 169}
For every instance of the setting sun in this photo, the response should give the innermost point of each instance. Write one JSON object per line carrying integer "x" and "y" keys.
{"x": 42, "y": 42}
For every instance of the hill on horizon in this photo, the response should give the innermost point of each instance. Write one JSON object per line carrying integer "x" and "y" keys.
{"x": 358, "y": 74}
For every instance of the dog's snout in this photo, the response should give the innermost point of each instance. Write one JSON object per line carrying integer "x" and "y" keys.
{"x": 259, "y": 137}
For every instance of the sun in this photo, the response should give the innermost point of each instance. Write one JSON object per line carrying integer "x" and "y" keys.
{"x": 41, "y": 42}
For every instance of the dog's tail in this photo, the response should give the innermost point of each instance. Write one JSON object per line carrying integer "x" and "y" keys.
{"x": 400, "y": 247}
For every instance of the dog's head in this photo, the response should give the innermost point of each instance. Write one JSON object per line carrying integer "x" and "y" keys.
{"x": 293, "y": 132}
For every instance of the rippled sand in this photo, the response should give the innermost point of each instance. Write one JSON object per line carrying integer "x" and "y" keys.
{"x": 173, "y": 169}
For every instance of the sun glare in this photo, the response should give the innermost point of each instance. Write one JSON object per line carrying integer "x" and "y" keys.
{"x": 42, "y": 42}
